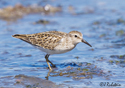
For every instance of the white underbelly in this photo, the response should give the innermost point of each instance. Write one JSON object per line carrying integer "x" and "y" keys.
{"x": 57, "y": 50}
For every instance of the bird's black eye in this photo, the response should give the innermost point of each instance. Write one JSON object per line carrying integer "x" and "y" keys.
{"x": 75, "y": 35}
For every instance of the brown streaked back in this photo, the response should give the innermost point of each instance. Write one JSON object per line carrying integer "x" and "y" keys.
{"x": 47, "y": 40}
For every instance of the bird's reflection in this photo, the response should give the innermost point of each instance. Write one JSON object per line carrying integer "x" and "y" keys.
{"x": 48, "y": 74}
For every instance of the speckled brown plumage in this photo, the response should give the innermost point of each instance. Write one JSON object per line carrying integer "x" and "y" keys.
{"x": 47, "y": 40}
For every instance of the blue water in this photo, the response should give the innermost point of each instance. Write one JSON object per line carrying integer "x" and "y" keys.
{"x": 12, "y": 51}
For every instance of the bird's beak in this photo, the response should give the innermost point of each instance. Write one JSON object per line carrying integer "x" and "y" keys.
{"x": 86, "y": 42}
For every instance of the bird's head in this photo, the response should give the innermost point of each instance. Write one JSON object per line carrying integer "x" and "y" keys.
{"x": 76, "y": 37}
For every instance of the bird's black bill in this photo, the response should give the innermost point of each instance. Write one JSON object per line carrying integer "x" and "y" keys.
{"x": 86, "y": 42}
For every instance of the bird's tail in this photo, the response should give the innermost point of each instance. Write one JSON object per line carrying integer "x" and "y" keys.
{"x": 20, "y": 36}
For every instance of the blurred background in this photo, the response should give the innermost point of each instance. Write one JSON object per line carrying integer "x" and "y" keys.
{"x": 102, "y": 23}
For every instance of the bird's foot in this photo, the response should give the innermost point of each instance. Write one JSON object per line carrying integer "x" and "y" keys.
{"x": 53, "y": 66}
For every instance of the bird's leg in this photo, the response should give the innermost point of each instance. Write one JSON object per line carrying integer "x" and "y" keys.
{"x": 53, "y": 65}
{"x": 46, "y": 57}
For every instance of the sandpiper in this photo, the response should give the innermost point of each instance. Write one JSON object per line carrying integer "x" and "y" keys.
{"x": 53, "y": 42}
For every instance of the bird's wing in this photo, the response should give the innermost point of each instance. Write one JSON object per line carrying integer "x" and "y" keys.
{"x": 47, "y": 40}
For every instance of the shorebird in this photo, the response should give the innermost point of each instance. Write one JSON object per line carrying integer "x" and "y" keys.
{"x": 53, "y": 42}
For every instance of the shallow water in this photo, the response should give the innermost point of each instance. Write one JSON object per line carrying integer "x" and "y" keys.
{"x": 102, "y": 24}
